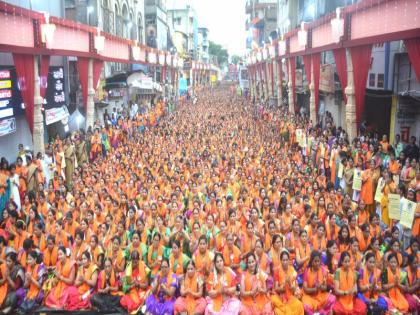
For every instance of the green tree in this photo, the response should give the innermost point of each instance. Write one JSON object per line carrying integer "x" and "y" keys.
{"x": 220, "y": 52}
{"x": 235, "y": 59}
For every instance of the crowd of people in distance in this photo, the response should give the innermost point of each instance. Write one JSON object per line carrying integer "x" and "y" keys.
{"x": 220, "y": 207}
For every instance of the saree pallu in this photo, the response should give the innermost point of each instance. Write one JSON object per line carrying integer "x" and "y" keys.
{"x": 33, "y": 296}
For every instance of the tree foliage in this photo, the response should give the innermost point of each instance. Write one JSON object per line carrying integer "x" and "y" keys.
{"x": 235, "y": 59}
{"x": 220, "y": 53}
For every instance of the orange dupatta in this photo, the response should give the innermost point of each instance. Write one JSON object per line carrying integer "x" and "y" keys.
{"x": 193, "y": 284}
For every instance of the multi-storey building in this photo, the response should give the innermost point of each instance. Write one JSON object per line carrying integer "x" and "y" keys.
{"x": 261, "y": 23}
{"x": 203, "y": 45}
{"x": 183, "y": 23}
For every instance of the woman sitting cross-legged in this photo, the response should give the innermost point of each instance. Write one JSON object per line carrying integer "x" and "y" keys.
{"x": 135, "y": 283}
{"x": 191, "y": 301}
{"x": 285, "y": 287}
{"x": 221, "y": 288}
{"x": 162, "y": 299}
{"x": 108, "y": 296}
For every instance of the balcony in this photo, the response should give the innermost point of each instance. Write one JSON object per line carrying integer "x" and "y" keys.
{"x": 253, "y": 5}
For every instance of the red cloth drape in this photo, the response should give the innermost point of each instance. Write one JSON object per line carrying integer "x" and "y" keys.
{"x": 83, "y": 67}
{"x": 413, "y": 49}
{"x": 307, "y": 63}
{"x": 97, "y": 69}
{"x": 341, "y": 65}
{"x": 292, "y": 61}
{"x": 43, "y": 74}
{"x": 25, "y": 73}
{"x": 316, "y": 61}
{"x": 360, "y": 57}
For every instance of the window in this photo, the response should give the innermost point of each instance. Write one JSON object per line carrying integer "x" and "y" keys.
{"x": 371, "y": 79}
{"x": 178, "y": 21}
{"x": 381, "y": 78}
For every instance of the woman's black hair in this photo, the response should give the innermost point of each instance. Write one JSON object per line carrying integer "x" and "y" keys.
{"x": 275, "y": 237}
{"x": 330, "y": 243}
{"x": 392, "y": 255}
{"x": 369, "y": 254}
{"x": 340, "y": 237}
{"x": 284, "y": 252}
{"x": 314, "y": 254}
{"x": 87, "y": 254}
{"x": 12, "y": 256}
{"x": 176, "y": 242}
{"x": 164, "y": 259}
{"x": 202, "y": 238}
{"x": 342, "y": 257}
{"x": 28, "y": 244}
{"x": 251, "y": 254}
{"x": 62, "y": 249}
{"x": 218, "y": 254}
{"x": 190, "y": 262}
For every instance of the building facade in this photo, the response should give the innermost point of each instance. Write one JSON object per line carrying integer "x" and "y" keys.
{"x": 203, "y": 45}
{"x": 182, "y": 19}
{"x": 261, "y": 23}
{"x": 11, "y": 108}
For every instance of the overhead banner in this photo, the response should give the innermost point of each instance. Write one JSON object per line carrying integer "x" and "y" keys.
{"x": 55, "y": 96}
{"x": 7, "y": 126}
{"x": 55, "y": 114}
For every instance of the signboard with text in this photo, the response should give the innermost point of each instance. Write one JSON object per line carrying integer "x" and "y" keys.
{"x": 10, "y": 97}
{"x": 55, "y": 96}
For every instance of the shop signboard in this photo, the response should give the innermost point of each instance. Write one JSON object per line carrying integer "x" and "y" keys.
{"x": 55, "y": 114}
{"x": 10, "y": 97}
{"x": 7, "y": 126}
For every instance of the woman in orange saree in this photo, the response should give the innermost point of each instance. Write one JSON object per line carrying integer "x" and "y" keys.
{"x": 108, "y": 296}
{"x": 203, "y": 258}
{"x": 345, "y": 288}
{"x": 221, "y": 288}
{"x": 78, "y": 296}
{"x": 135, "y": 284}
{"x": 370, "y": 285}
{"x": 393, "y": 283}
{"x": 254, "y": 292}
{"x": 191, "y": 300}
{"x": 65, "y": 275}
{"x": 316, "y": 298}
{"x": 284, "y": 299}
{"x": 33, "y": 283}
